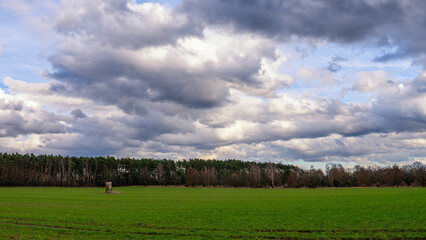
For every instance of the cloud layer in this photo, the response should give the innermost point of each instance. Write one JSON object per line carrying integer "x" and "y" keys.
{"x": 254, "y": 80}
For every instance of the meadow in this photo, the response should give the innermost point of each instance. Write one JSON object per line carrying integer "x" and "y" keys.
{"x": 212, "y": 213}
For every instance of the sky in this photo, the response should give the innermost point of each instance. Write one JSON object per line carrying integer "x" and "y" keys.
{"x": 306, "y": 82}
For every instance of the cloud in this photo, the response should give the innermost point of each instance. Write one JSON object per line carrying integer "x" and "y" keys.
{"x": 194, "y": 72}
{"x": 337, "y": 21}
{"x": 19, "y": 117}
{"x": 77, "y": 113}
{"x": 402, "y": 106}
{"x": 223, "y": 79}
{"x": 334, "y": 67}
{"x": 123, "y": 24}
{"x": 412, "y": 43}
{"x": 286, "y": 127}
{"x": 372, "y": 81}
{"x": 334, "y": 20}
{"x": 317, "y": 76}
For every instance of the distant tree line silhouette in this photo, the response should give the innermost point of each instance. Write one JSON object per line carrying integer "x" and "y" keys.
{"x": 49, "y": 170}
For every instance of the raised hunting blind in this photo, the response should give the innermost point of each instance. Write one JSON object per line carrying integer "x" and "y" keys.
{"x": 108, "y": 187}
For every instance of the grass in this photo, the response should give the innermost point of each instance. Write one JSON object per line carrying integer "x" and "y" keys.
{"x": 212, "y": 213}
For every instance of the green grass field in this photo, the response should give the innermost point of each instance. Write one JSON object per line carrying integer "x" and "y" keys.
{"x": 207, "y": 213}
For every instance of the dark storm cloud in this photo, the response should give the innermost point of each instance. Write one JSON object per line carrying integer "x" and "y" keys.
{"x": 16, "y": 123}
{"x": 390, "y": 23}
{"x": 120, "y": 83}
{"x": 336, "y": 20}
{"x": 115, "y": 75}
{"x": 407, "y": 35}
{"x": 334, "y": 67}
{"x": 77, "y": 113}
{"x": 82, "y": 145}
{"x": 155, "y": 124}
{"x": 403, "y": 110}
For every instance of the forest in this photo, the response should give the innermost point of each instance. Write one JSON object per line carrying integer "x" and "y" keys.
{"x": 55, "y": 170}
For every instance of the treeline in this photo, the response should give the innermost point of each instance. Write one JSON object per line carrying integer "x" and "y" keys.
{"x": 49, "y": 170}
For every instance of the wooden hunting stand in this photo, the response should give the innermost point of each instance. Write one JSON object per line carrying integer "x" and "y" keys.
{"x": 108, "y": 187}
